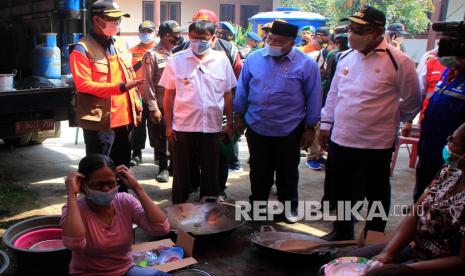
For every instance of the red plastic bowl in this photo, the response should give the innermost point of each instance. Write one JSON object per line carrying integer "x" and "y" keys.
{"x": 42, "y": 239}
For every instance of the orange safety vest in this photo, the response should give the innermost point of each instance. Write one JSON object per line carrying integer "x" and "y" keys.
{"x": 138, "y": 52}
{"x": 434, "y": 71}
{"x": 102, "y": 114}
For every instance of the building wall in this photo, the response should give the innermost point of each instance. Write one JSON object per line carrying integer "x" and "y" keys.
{"x": 129, "y": 26}
{"x": 188, "y": 8}
{"x": 455, "y": 10}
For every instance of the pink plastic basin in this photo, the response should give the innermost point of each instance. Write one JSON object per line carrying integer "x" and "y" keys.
{"x": 42, "y": 239}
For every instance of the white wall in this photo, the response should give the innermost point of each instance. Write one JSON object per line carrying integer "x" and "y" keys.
{"x": 456, "y": 10}
{"x": 415, "y": 48}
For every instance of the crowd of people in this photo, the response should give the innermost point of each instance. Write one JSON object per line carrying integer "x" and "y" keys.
{"x": 341, "y": 95}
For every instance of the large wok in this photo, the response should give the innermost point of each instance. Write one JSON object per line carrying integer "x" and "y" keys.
{"x": 268, "y": 236}
{"x": 203, "y": 218}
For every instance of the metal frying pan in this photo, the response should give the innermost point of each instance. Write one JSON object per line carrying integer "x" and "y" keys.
{"x": 268, "y": 236}
{"x": 203, "y": 218}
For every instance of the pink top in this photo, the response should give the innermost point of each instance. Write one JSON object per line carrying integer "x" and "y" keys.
{"x": 106, "y": 250}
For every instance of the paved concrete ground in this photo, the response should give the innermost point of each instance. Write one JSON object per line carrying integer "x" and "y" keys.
{"x": 42, "y": 169}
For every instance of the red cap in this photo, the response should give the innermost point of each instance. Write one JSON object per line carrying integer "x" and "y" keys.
{"x": 206, "y": 15}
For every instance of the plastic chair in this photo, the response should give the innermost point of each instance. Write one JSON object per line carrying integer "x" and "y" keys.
{"x": 412, "y": 154}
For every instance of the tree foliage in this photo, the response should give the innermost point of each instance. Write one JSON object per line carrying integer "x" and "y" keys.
{"x": 413, "y": 13}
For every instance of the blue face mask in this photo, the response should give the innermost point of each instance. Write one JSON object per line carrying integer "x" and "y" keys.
{"x": 99, "y": 197}
{"x": 274, "y": 51}
{"x": 146, "y": 38}
{"x": 447, "y": 155}
{"x": 199, "y": 47}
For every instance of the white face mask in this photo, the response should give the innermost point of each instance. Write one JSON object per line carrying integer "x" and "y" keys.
{"x": 146, "y": 38}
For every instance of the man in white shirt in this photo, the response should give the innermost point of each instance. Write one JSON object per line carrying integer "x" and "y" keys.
{"x": 198, "y": 83}
{"x": 374, "y": 88}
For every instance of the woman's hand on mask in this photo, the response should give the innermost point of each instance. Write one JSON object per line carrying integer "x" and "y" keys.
{"x": 127, "y": 177}
{"x": 73, "y": 183}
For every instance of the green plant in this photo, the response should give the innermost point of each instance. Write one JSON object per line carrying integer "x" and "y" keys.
{"x": 413, "y": 13}
{"x": 241, "y": 35}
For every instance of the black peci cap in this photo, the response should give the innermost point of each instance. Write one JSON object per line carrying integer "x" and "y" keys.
{"x": 283, "y": 28}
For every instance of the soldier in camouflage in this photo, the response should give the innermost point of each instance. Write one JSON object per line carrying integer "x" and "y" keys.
{"x": 153, "y": 64}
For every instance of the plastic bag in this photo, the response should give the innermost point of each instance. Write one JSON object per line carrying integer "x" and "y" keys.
{"x": 172, "y": 254}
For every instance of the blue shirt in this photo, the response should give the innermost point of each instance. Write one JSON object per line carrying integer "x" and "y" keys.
{"x": 276, "y": 95}
{"x": 444, "y": 114}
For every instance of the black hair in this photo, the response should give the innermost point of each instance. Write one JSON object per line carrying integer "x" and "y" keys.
{"x": 93, "y": 162}
{"x": 202, "y": 27}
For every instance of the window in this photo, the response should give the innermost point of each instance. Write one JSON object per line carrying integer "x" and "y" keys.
{"x": 227, "y": 12}
{"x": 248, "y": 11}
{"x": 147, "y": 10}
{"x": 168, "y": 11}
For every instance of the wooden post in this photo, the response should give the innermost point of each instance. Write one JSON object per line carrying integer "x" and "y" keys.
{"x": 434, "y": 18}
{"x": 237, "y": 12}
{"x": 156, "y": 12}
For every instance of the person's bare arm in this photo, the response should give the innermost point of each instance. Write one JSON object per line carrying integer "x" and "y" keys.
{"x": 453, "y": 265}
{"x": 73, "y": 226}
{"x": 152, "y": 211}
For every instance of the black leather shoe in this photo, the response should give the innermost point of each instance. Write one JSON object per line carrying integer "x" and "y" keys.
{"x": 338, "y": 236}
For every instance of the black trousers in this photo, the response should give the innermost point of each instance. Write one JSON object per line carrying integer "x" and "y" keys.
{"x": 359, "y": 173}
{"x": 140, "y": 133}
{"x": 270, "y": 155}
{"x": 195, "y": 149}
{"x": 114, "y": 143}
{"x": 157, "y": 137}
{"x": 426, "y": 171}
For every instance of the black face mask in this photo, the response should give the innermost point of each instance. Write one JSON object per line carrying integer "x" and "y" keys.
{"x": 176, "y": 40}
{"x": 323, "y": 42}
{"x": 224, "y": 36}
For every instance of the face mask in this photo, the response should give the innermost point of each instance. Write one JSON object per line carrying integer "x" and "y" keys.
{"x": 109, "y": 28}
{"x": 358, "y": 42}
{"x": 275, "y": 51}
{"x": 200, "y": 47}
{"x": 449, "y": 61}
{"x": 323, "y": 43}
{"x": 99, "y": 197}
{"x": 447, "y": 155}
{"x": 177, "y": 40}
{"x": 146, "y": 38}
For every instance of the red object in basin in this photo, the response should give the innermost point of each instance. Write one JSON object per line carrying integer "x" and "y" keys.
{"x": 42, "y": 239}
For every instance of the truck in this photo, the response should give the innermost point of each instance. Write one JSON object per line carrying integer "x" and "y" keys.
{"x": 32, "y": 108}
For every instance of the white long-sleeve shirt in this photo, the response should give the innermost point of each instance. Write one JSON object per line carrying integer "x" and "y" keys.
{"x": 369, "y": 96}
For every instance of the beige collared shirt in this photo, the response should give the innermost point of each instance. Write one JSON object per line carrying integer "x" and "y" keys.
{"x": 369, "y": 97}
{"x": 200, "y": 87}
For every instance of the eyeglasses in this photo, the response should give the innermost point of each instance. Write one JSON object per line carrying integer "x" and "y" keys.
{"x": 450, "y": 140}
{"x": 99, "y": 185}
{"x": 359, "y": 30}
